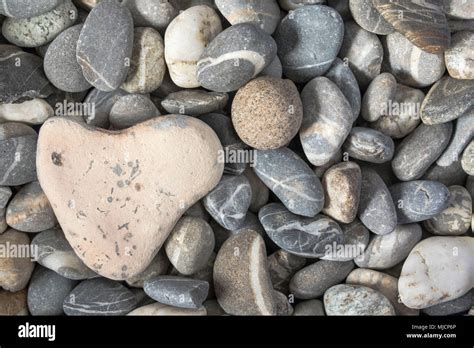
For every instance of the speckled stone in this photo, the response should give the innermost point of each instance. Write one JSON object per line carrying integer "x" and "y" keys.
{"x": 132, "y": 109}
{"x": 313, "y": 280}
{"x": 282, "y": 265}
{"x": 369, "y": 145}
{"x": 13, "y": 303}
{"x": 386, "y": 251}
{"x": 159, "y": 309}
{"x": 357, "y": 300}
{"x": 381, "y": 90}
{"x": 150, "y": 13}
{"x": 260, "y": 192}
{"x": 309, "y": 308}
{"x": 324, "y": 108}
{"x": 456, "y": 218}
{"x": 267, "y": 113}
{"x": 438, "y": 269}
{"x": 456, "y": 306}
{"x": 234, "y": 57}
{"x": 467, "y": 161}
{"x": 282, "y": 303}
{"x": 423, "y": 23}
{"x": 27, "y": 8}
{"x": 264, "y": 14}
{"x": 367, "y": 16}
{"x": 229, "y": 201}
{"x": 376, "y": 208}
{"x": 31, "y": 112}
{"x": 459, "y": 57}
{"x": 302, "y": 236}
{"x": 419, "y": 150}
{"x": 158, "y": 266}
{"x": 107, "y": 32}
{"x": 41, "y": 29}
{"x": 308, "y": 40}
{"x": 364, "y": 66}
{"x": 291, "y": 180}
{"x": 185, "y": 40}
{"x": 147, "y": 65}
{"x": 194, "y": 102}
{"x": 99, "y": 296}
{"x": 103, "y": 103}
{"x": 422, "y": 70}
{"x": 447, "y": 100}
{"x": 241, "y": 278}
{"x": 419, "y": 200}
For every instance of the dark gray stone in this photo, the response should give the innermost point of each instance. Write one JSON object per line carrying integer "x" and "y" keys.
{"x": 27, "y": 8}
{"x": 369, "y": 145}
{"x": 367, "y": 16}
{"x": 132, "y": 109}
{"x": 309, "y": 308}
{"x": 456, "y": 306}
{"x": 194, "y": 102}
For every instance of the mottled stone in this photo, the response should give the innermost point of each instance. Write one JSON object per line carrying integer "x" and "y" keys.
{"x": 159, "y": 309}
{"x": 420, "y": 149}
{"x": 267, "y": 113}
{"x": 102, "y": 227}
{"x": 291, "y": 180}
{"x": 151, "y": 13}
{"x": 327, "y": 120}
{"x": 308, "y": 40}
{"x": 99, "y": 296}
{"x": 459, "y": 57}
{"x": 234, "y": 57}
{"x": 105, "y": 45}
{"x": 439, "y": 269}
{"x": 260, "y": 192}
{"x": 282, "y": 265}
{"x": 132, "y": 109}
{"x": 367, "y": 16}
{"x": 380, "y": 92}
{"x": 41, "y": 29}
{"x": 241, "y": 278}
{"x": 419, "y": 200}
{"x": 309, "y": 308}
{"x": 456, "y": 306}
{"x": 31, "y": 112}
{"x": 194, "y": 102}
{"x": 357, "y": 300}
{"x": 102, "y": 103}
{"x": 376, "y": 208}
{"x": 369, "y": 145}
{"x": 27, "y": 8}
{"x": 467, "y": 161}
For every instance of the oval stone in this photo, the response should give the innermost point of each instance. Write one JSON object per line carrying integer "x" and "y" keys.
{"x": 380, "y": 92}
{"x": 369, "y": 145}
{"x": 151, "y": 13}
{"x": 132, "y": 109}
{"x": 30, "y": 112}
{"x": 194, "y": 102}
{"x": 27, "y": 8}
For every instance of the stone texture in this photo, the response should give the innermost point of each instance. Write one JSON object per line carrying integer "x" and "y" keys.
{"x": 449, "y": 175}
{"x": 150, "y": 13}
{"x": 194, "y": 102}
{"x": 103, "y": 103}
{"x": 283, "y": 306}
{"x": 459, "y": 57}
{"x": 260, "y": 192}
{"x": 282, "y": 265}
{"x": 30, "y": 112}
{"x": 309, "y": 308}
{"x": 213, "y": 308}
{"x": 160, "y": 309}
{"x": 366, "y": 15}
{"x": 456, "y": 306}
{"x": 13, "y": 303}
{"x": 27, "y": 8}
{"x": 381, "y": 90}
{"x": 459, "y": 9}
{"x": 158, "y": 266}
{"x": 369, "y": 145}
{"x": 467, "y": 161}
{"x": 132, "y": 109}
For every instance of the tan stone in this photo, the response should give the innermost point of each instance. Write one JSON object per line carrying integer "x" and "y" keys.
{"x": 13, "y": 303}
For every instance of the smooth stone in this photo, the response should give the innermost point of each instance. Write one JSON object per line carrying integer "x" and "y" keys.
{"x": 341, "y": 184}
{"x": 18, "y": 148}
{"x": 422, "y": 70}
{"x": 260, "y": 192}
{"x": 327, "y": 120}
{"x": 229, "y": 201}
{"x": 27, "y": 8}
{"x": 206, "y": 274}
{"x": 366, "y": 15}
{"x": 99, "y": 296}
{"x": 186, "y": 38}
{"x": 16, "y": 271}
{"x": 282, "y": 265}
{"x": 159, "y": 309}
{"x": 198, "y": 210}
{"x": 241, "y": 277}
{"x": 101, "y": 103}
{"x": 344, "y": 299}
{"x": 147, "y": 65}
{"x": 356, "y": 239}
{"x": 456, "y": 218}
{"x": 105, "y": 45}
{"x": 213, "y": 308}
{"x": 30, "y": 112}
{"x": 158, "y": 266}
{"x": 30, "y": 210}
{"x": 341, "y": 6}
{"x": 308, "y": 41}
{"x": 341, "y": 74}
{"x": 132, "y": 109}
{"x": 447, "y": 100}
{"x": 419, "y": 200}
{"x": 459, "y": 57}
{"x": 467, "y": 161}
{"x": 230, "y": 141}
{"x": 370, "y": 145}
{"x": 309, "y": 308}
{"x": 291, "y": 180}
{"x": 151, "y": 13}
{"x": 320, "y": 170}
{"x": 47, "y": 291}
{"x": 290, "y": 5}
{"x": 380, "y": 92}
{"x": 439, "y": 269}
{"x": 267, "y": 113}
{"x": 302, "y": 236}
{"x": 55, "y": 253}
{"x": 274, "y": 69}
{"x": 263, "y": 14}
{"x": 282, "y": 303}
{"x": 144, "y": 182}
{"x": 403, "y": 113}
{"x": 39, "y": 30}
{"x": 376, "y": 208}
{"x": 423, "y": 23}
{"x": 13, "y": 303}
{"x": 382, "y": 282}
{"x": 420, "y": 149}
{"x": 388, "y": 250}
{"x": 190, "y": 245}
{"x": 21, "y": 82}
{"x": 364, "y": 66}
{"x": 449, "y": 175}
{"x": 234, "y": 57}
{"x": 177, "y": 291}
{"x": 194, "y": 102}
{"x": 458, "y": 305}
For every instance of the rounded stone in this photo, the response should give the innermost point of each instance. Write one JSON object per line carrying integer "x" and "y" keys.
{"x": 367, "y": 16}
{"x": 30, "y": 112}
{"x": 282, "y": 265}
{"x": 185, "y": 40}
{"x": 159, "y": 309}
{"x": 309, "y": 308}
{"x": 308, "y": 40}
{"x": 234, "y": 57}
{"x": 132, "y": 109}
{"x": 467, "y": 160}
{"x": 151, "y": 13}
{"x": 369, "y": 145}
{"x": 267, "y": 113}
{"x": 380, "y": 92}
{"x": 194, "y": 102}
{"x": 459, "y": 57}
{"x": 27, "y": 8}
{"x": 13, "y": 303}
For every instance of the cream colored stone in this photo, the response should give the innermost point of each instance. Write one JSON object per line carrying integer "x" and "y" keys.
{"x": 161, "y": 309}
{"x": 31, "y": 112}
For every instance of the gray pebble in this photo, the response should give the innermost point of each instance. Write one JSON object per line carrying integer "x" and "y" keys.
{"x": 380, "y": 92}
{"x": 289, "y": 5}
{"x": 260, "y": 192}
{"x": 369, "y": 145}
{"x": 198, "y": 210}
{"x": 132, "y": 109}
{"x": 367, "y": 16}
{"x": 194, "y": 102}
{"x": 158, "y": 266}
{"x": 449, "y": 175}
{"x": 102, "y": 103}
{"x": 456, "y": 306}
{"x": 27, "y": 8}
{"x": 275, "y": 69}
{"x": 309, "y": 308}
{"x": 151, "y": 13}
{"x": 282, "y": 265}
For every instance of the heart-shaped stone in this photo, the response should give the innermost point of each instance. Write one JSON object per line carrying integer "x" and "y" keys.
{"x": 117, "y": 195}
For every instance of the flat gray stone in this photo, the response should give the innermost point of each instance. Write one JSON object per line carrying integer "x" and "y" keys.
{"x": 194, "y": 102}
{"x": 132, "y": 109}
{"x": 27, "y": 8}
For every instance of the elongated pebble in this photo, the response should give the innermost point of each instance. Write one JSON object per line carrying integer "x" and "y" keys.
{"x": 381, "y": 90}
{"x": 30, "y": 112}
{"x": 467, "y": 160}
{"x": 194, "y": 102}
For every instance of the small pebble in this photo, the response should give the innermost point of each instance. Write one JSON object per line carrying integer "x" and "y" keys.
{"x": 132, "y": 109}
{"x": 103, "y": 103}
{"x": 151, "y": 13}
{"x": 194, "y": 102}
{"x": 381, "y": 90}
{"x": 30, "y": 112}
{"x": 289, "y": 5}
{"x": 467, "y": 161}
